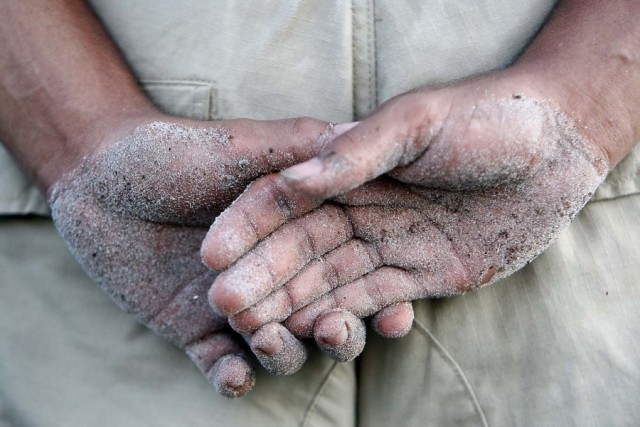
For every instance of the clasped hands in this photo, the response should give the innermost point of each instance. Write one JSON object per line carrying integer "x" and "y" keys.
{"x": 440, "y": 191}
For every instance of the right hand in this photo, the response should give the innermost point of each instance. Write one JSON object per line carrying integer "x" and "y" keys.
{"x": 479, "y": 180}
{"x": 135, "y": 211}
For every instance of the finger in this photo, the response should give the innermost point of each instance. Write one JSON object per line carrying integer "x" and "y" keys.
{"x": 340, "y": 334}
{"x": 278, "y": 258}
{"x": 404, "y": 240}
{"x": 394, "y": 321}
{"x": 187, "y": 315}
{"x": 232, "y": 376}
{"x": 344, "y": 264}
{"x": 362, "y": 297}
{"x": 274, "y": 144}
{"x": 224, "y": 363}
{"x": 393, "y": 136}
{"x": 278, "y": 350}
{"x": 261, "y": 209}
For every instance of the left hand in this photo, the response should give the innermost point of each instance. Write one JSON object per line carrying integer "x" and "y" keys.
{"x": 135, "y": 211}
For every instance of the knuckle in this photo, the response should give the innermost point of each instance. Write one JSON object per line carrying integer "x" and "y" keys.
{"x": 305, "y": 125}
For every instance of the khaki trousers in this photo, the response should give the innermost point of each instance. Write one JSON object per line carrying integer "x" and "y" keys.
{"x": 555, "y": 344}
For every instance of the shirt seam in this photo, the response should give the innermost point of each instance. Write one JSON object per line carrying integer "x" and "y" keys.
{"x": 312, "y": 405}
{"x": 457, "y": 369}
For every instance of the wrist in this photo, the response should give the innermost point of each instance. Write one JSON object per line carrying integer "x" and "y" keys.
{"x": 586, "y": 61}
{"x": 67, "y": 147}
{"x": 61, "y": 97}
{"x": 605, "y": 119}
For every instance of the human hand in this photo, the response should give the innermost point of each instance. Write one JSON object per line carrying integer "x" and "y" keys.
{"x": 482, "y": 177}
{"x": 135, "y": 211}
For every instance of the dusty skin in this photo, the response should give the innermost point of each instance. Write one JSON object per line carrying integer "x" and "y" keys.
{"x": 478, "y": 185}
{"x": 132, "y": 215}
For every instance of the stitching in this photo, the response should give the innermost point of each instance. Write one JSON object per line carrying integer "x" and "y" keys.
{"x": 211, "y": 107}
{"x": 213, "y": 103}
{"x": 615, "y": 197}
{"x": 446, "y": 356}
{"x": 363, "y": 45}
{"x": 369, "y": 41}
{"x": 354, "y": 76}
{"x": 171, "y": 81}
{"x": 312, "y": 404}
{"x": 372, "y": 54}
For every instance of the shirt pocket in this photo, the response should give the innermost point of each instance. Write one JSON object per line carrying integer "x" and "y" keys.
{"x": 186, "y": 98}
{"x": 194, "y": 99}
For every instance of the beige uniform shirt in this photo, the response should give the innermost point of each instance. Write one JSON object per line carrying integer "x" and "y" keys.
{"x": 334, "y": 60}
{"x": 552, "y": 345}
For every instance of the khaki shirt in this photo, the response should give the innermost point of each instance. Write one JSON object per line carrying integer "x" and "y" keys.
{"x": 265, "y": 60}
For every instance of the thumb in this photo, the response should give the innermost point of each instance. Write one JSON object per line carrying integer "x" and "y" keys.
{"x": 394, "y": 136}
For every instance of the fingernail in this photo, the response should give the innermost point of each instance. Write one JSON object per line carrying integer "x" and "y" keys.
{"x": 304, "y": 170}
{"x": 344, "y": 127}
{"x": 334, "y": 335}
{"x": 268, "y": 345}
{"x": 232, "y": 376}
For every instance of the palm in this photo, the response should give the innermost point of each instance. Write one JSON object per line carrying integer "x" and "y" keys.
{"x": 476, "y": 188}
